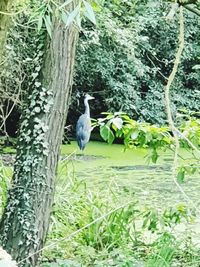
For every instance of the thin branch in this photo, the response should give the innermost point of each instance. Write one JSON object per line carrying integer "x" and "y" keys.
{"x": 172, "y": 12}
{"x": 192, "y": 9}
{"x": 187, "y": 5}
{"x": 12, "y": 14}
{"x": 172, "y": 126}
{"x": 185, "y": 2}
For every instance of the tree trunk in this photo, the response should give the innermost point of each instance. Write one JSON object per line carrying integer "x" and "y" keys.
{"x": 25, "y": 221}
{"x": 4, "y": 22}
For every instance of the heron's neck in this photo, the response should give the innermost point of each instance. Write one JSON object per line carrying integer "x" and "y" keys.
{"x": 87, "y": 108}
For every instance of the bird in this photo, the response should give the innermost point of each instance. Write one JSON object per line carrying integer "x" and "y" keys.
{"x": 83, "y": 126}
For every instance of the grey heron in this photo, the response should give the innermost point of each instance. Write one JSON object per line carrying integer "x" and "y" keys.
{"x": 83, "y": 126}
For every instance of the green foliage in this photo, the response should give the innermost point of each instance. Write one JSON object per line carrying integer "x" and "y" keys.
{"x": 181, "y": 175}
{"x": 164, "y": 250}
{"x": 119, "y": 58}
{"x": 47, "y": 10}
{"x": 119, "y": 239}
{"x": 127, "y": 58}
{"x": 144, "y": 135}
{"x": 5, "y": 174}
{"x": 135, "y": 235}
{"x": 122, "y": 58}
{"x": 62, "y": 263}
{"x": 134, "y": 134}
{"x": 21, "y": 63}
{"x": 113, "y": 231}
{"x": 139, "y": 134}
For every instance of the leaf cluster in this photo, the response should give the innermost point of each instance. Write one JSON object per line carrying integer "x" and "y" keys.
{"x": 134, "y": 133}
{"x": 126, "y": 59}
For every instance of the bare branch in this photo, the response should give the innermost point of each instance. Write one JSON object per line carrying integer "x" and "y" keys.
{"x": 173, "y": 73}
{"x": 169, "y": 112}
{"x": 192, "y": 9}
{"x": 185, "y": 2}
{"x": 191, "y": 5}
{"x": 172, "y": 12}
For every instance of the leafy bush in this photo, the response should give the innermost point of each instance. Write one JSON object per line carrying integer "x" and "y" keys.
{"x": 126, "y": 60}
{"x": 21, "y": 65}
{"x": 120, "y": 60}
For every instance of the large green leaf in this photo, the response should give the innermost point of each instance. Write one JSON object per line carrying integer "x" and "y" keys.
{"x": 134, "y": 134}
{"x": 48, "y": 24}
{"x": 107, "y": 134}
{"x": 181, "y": 175}
{"x": 40, "y": 22}
{"x": 104, "y": 132}
{"x": 196, "y": 67}
{"x": 111, "y": 137}
{"x": 72, "y": 16}
{"x": 154, "y": 156}
{"x": 118, "y": 122}
{"x": 89, "y": 12}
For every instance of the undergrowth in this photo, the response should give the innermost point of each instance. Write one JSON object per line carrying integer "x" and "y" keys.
{"x": 5, "y": 175}
{"x": 133, "y": 235}
{"x": 125, "y": 232}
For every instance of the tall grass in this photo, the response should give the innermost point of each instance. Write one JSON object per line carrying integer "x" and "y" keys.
{"x": 118, "y": 239}
{"x": 5, "y": 175}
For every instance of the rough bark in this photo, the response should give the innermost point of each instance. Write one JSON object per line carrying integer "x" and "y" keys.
{"x": 25, "y": 221}
{"x": 4, "y": 22}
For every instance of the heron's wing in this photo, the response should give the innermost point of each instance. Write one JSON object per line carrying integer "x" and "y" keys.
{"x": 83, "y": 128}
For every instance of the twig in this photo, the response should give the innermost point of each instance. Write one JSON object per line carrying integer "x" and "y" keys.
{"x": 156, "y": 67}
{"x": 12, "y": 14}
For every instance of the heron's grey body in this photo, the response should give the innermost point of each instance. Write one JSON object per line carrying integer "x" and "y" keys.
{"x": 83, "y": 126}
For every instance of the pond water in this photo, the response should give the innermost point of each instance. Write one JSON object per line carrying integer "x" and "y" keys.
{"x": 102, "y": 164}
